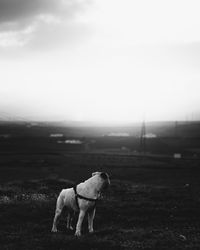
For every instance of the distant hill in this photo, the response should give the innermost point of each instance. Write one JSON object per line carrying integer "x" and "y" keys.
{"x": 76, "y": 129}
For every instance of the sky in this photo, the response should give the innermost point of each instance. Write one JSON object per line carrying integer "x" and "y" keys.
{"x": 104, "y": 61}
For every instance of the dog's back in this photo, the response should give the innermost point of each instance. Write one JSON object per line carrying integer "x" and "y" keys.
{"x": 67, "y": 198}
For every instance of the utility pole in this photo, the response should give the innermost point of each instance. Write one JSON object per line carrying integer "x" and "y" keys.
{"x": 176, "y": 129}
{"x": 143, "y": 138}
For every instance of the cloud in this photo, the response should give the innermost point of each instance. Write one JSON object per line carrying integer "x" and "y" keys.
{"x": 27, "y": 22}
{"x": 19, "y": 11}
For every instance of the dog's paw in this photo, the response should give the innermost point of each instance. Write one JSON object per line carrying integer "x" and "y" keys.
{"x": 78, "y": 233}
{"x": 70, "y": 228}
{"x": 91, "y": 230}
{"x": 54, "y": 230}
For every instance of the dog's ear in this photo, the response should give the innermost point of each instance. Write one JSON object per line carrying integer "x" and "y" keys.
{"x": 104, "y": 176}
{"x": 95, "y": 173}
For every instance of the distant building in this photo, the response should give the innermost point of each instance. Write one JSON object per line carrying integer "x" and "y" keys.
{"x": 177, "y": 156}
{"x": 56, "y": 135}
{"x": 150, "y": 135}
{"x": 125, "y": 149}
{"x": 77, "y": 142}
{"x": 73, "y": 142}
{"x": 32, "y": 124}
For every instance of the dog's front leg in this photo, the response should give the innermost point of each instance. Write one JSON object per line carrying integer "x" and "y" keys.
{"x": 79, "y": 223}
{"x": 91, "y": 215}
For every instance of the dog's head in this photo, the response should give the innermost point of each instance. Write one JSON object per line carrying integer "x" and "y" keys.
{"x": 104, "y": 177}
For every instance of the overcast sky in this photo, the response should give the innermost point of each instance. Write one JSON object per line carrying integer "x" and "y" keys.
{"x": 100, "y": 60}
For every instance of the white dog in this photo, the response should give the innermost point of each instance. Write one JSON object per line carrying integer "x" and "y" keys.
{"x": 82, "y": 199}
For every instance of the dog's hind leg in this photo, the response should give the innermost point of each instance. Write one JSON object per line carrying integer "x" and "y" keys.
{"x": 91, "y": 215}
{"x": 69, "y": 220}
{"x": 59, "y": 207}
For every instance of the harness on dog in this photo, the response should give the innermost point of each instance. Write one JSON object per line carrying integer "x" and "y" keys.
{"x": 82, "y": 197}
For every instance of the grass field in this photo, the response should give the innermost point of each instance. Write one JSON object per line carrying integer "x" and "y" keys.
{"x": 152, "y": 203}
{"x": 145, "y": 208}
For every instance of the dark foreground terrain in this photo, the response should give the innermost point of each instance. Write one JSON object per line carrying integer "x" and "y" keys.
{"x": 152, "y": 208}
{"x": 153, "y": 202}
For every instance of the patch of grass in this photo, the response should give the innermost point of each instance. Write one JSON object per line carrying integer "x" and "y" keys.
{"x": 131, "y": 216}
